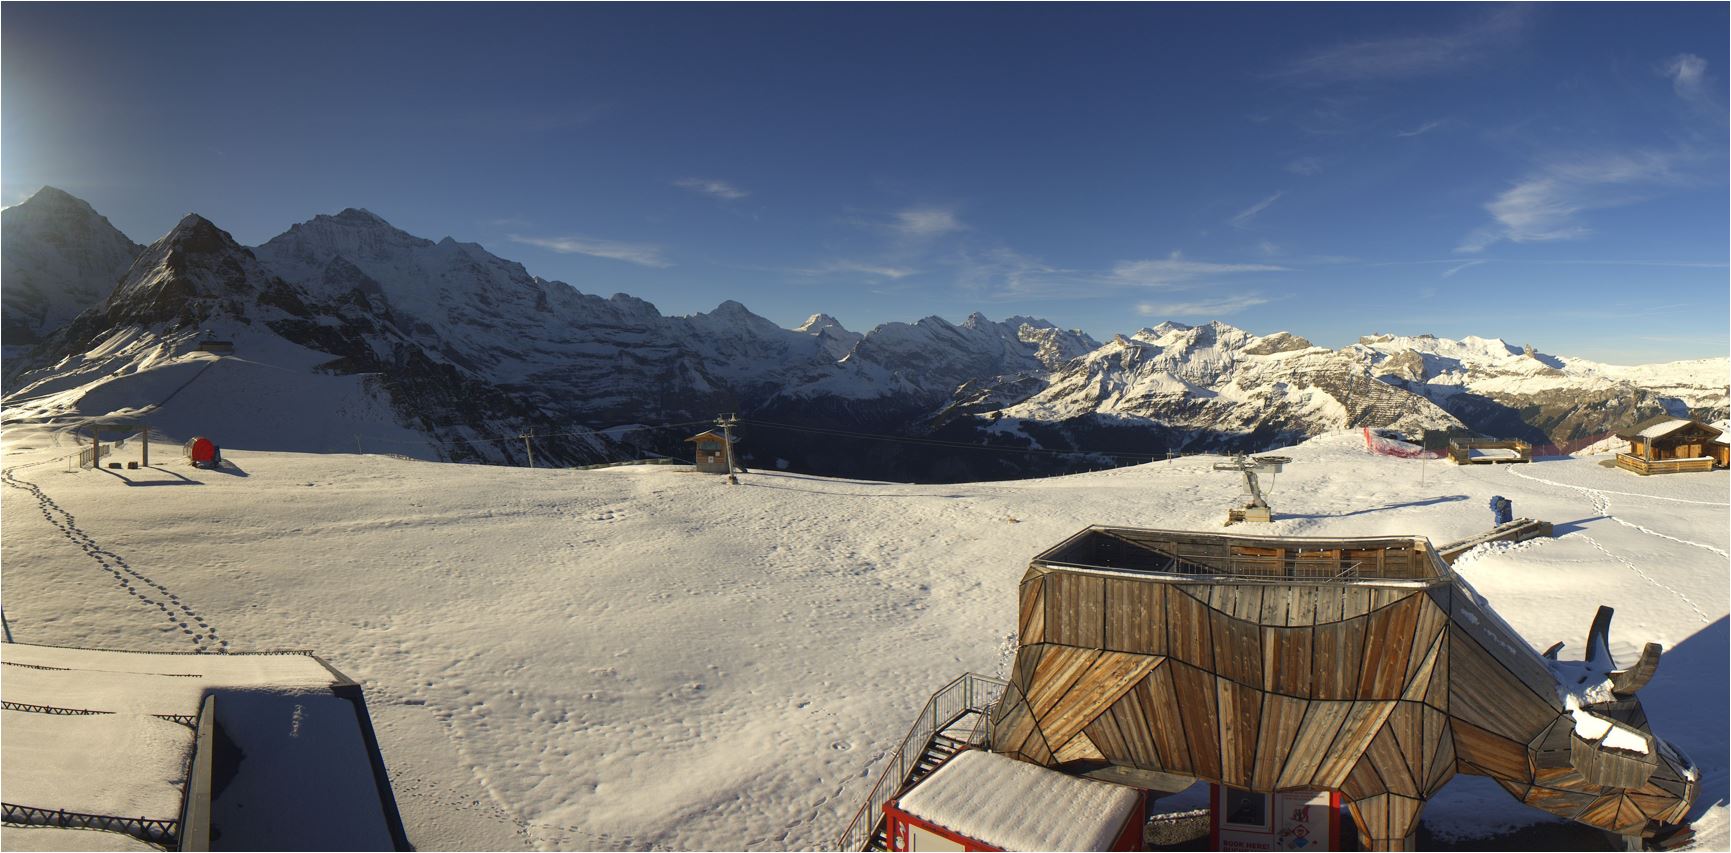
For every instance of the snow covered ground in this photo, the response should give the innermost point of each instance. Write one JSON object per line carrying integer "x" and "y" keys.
{"x": 644, "y": 657}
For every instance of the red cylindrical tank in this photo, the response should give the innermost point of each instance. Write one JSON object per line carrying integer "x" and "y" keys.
{"x": 200, "y": 450}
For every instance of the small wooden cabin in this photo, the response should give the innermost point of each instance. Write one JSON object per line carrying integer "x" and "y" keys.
{"x": 710, "y": 451}
{"x": 982, "y": 801}
{"x": 1668, "y": 445}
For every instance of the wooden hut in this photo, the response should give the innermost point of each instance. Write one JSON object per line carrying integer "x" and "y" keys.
{"x": 710, "y": 451}
{"x": 1668, "y": 445}
{"x": 1364, "y": 667}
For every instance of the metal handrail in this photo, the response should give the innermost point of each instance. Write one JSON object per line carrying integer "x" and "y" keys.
{"x": 1301, "y": 571}
{"x": 978, "y": 694}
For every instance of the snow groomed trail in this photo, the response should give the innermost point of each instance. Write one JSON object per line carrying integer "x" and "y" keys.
{"x": 643, "y": 657}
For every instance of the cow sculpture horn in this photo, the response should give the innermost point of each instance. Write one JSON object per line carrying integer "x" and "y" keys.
{"x": 1625, "y": 682}
{"x": 1599, "y": 637}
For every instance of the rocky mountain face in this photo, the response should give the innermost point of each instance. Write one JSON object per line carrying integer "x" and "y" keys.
{"x": 61, "y": 257}
{"x": 197, "y": 285}
{"x": 469, "y": 351}
{"x": 1517, "y": 392}
{"x": 1209, "y": 387}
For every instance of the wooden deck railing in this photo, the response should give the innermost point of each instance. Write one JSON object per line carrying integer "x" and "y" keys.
{"x": 1644, "y": 467}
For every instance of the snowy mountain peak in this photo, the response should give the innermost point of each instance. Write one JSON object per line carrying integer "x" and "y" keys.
{"x": 194, "y": 233}
{"x": 54, "y": 198}
{"x": 819, "y": 322}
{"x": 361, "y": 216}
{"x": 832, "y": 336}
{"x": 61, "y": 258}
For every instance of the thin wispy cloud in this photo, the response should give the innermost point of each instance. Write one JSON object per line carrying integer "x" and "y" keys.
{"x": 1421, "y": 130}
{"x": 1001, "y": 273}
{"x": 847, "y": 266}
{"x": 1692, "y": 83}
{"x": 926, "y": 222}
{"x": 642, "y": 254}
{"x": 713, "y": 188}
{"x": 1408, "y": 56}
{"x": 1688, "y": 74}
{"x": 1450, "y": 272}
{"x": 1177, "y": 270}
{"x": 1547, "y": 206}
{"x": 1243, "y": 217}
{"x": 1202, "y": 307}
{"x": 1305, "y": 166}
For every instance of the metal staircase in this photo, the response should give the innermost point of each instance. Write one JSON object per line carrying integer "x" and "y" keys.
{"x": 956, "y": 717}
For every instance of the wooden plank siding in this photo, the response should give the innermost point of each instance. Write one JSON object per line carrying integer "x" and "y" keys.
{"x": 1198, "y": 708}
{"x": 1031, "y": 615}
{"x": 1382, "y": 684}
{"x": 1135, "y": 616}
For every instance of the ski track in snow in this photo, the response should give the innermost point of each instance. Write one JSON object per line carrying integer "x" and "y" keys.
{"x": 1602, "y": 505}
{"x": 1705, "y": 619}
{"x": 203, "y": 637}
{"x": 1513, "y": 470}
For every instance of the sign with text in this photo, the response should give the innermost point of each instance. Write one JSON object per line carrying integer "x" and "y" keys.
{"x": 1288, "y": 820}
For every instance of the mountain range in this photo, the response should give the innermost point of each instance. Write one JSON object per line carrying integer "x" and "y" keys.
{"x": 347, "y": 332}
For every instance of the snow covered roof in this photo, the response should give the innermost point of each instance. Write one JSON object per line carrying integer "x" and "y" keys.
{"x": 1013, "y": 805}
{"x": 118, "y": 753}
{"x": 1664, "y": 428}
{"x": 1660, "y": 427}
{"x": 102, "y": 680}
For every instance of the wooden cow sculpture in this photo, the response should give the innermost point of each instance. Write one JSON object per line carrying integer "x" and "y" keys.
{"x": 1362, "y": 666}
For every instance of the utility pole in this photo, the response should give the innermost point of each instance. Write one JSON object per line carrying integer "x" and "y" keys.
{"x": 527, "y": 447}
{"x": 144, "y": 447}
{"x": 727, "y": 423}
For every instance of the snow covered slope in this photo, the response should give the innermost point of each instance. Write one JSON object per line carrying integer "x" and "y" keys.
{"x": 645, "y": 657}
{"x": 61, "y": 257}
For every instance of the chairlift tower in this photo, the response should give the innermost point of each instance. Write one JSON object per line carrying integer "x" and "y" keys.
{"x": 727, "y": 422}
{"x": 1249, "y": 466}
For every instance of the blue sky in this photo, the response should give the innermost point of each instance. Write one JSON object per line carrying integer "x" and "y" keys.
{"x": 1553, "y": 175}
